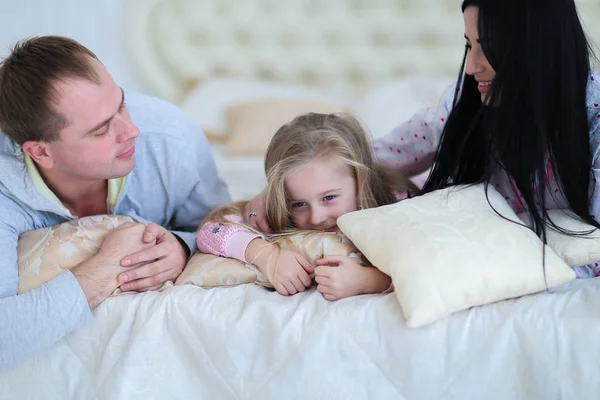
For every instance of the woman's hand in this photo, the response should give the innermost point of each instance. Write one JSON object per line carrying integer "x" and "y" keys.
{"x": 339, "y": 277}
{"x": 255, "y": 213}
{"x": 287, "y": 270}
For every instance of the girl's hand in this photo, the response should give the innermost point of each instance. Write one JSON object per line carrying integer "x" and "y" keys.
{"x": 290, "y": 272}
{"x": 339, "y": 277}
{"x": 287, "y": 270}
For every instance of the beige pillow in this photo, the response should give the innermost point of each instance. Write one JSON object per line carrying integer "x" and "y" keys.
{"x": 43, "y": 254}
{"x": 215, "y": 136}
{"x": 574, "y": 250}
{"x": 448, "y": 250}
{"x": 253, "y": 123}
{"x": 211, "y": 271}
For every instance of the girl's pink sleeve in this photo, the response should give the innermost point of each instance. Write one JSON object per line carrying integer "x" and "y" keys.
{"x": 225, "y": 240}
{"x": 411, "y": 146}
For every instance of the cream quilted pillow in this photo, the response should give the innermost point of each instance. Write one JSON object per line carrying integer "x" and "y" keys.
{"x": 574, "y": 250}
{"x": 43, "y": 254}
{"x": 448, "y": 250}
{"x": 210, "y": 271}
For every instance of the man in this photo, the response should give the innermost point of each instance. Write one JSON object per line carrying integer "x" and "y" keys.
{"x": 74, "y": 145}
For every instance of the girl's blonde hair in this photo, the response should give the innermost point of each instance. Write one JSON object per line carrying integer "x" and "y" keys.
{"x": 330, "y": 135}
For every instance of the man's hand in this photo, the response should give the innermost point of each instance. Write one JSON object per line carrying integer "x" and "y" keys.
{"x": 98, "y": 275}
{"x": 164, "y": 261}
{"x": 255, "y": 213}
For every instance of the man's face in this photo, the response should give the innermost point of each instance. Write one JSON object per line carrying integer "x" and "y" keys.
{"x": 98, "y": 141}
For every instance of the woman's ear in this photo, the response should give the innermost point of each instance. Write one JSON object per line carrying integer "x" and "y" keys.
{"x": 39, "y": 152}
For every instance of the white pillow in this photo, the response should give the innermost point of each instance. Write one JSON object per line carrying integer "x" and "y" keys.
{"x": 206, "y": 104}
{"x": 448, "y": 250}
{"x": 574, "y": 250}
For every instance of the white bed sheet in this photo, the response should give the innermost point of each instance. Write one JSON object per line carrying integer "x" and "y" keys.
{"x": 248, "y": 343}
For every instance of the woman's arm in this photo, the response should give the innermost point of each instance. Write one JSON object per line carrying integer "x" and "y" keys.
{"x": 594, "y": 123}
{"x": 593, "y": 270}
{"x": 411, "y": 146}
{"x": 593, "y": 111}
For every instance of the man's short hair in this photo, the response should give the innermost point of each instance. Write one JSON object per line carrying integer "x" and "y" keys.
{"x": 27, "y": 85}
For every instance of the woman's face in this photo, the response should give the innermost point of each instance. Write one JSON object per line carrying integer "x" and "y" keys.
{"x": 478, "y": 65}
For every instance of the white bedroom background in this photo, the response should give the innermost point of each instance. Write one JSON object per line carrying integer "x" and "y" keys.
{"x": 99, "y": 24}
{"x": 102, "y": 26}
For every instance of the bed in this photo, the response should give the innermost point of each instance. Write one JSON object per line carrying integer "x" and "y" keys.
{"x": 247, "y": 342}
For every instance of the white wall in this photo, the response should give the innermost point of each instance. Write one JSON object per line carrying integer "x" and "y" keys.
{"x": 98, "y": 24}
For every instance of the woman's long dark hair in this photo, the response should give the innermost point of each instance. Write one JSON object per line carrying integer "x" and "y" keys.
{"x": 537, "y": 108}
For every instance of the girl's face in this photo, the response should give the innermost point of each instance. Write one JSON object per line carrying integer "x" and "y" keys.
{"x": 320, "y": 192}
{"x": 478, "y": 65}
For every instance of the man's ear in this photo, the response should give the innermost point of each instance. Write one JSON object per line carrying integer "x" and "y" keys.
{"x": 40, "y": 153}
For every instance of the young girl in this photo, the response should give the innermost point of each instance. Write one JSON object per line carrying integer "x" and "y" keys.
{"x": 524, "y": 116}
{"x": 318, "y": 168}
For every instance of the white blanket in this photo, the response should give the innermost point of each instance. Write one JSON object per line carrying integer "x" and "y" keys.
{"x": 248, "y": 343}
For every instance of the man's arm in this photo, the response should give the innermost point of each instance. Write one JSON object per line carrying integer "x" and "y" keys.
{"x": 183, "y": 157}
{"x": 187, "y": 240}
{"x": 209, "y": 190}
{"x": 34, "y": 321}
{"x": 191, "y": 188}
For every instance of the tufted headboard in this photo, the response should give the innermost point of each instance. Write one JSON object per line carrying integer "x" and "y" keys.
{"x": 343, "y": 46}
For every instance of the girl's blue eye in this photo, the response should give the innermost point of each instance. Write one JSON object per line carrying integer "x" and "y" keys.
{"x": 329, "y": 198}
{"x": 299, "y": 204}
